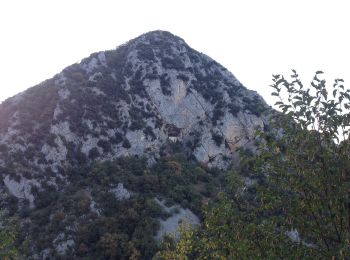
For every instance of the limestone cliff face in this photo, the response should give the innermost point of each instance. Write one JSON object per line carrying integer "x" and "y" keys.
{"x": 130, "y": 101}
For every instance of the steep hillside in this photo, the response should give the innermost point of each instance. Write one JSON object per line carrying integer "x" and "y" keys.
{"x": 148, "y": 99}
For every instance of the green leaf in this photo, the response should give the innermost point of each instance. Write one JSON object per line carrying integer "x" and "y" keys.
{"x": 334, "y": 92}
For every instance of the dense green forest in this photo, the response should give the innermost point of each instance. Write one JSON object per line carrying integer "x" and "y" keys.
{"x": 117, "y": 229}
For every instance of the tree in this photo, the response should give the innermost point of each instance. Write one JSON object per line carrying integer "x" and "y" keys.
{"x": 291, "y": 199}
{"x": 8, "y": 235}
{"x": 114, "y": 245}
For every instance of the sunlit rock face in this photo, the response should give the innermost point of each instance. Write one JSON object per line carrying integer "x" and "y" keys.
{"x": 130, "y": 101}
{"x": 179, "y": 219}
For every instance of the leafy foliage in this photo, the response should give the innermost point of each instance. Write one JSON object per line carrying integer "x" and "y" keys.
{"x": 8, "y": 235}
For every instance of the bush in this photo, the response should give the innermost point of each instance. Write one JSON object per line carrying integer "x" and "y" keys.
{"x": 173, "y": 63}
{"x": 217, "y": 115}
{"x": 183, "y": 77}
{"x": 165, "y": 84}
{"x": 148, "y": 131}
{"x": 234, "y": 109}
{"x": 118, "y": 138}
{"x": 145, "y": 52}
{"x": 218, "y": 139}
{"x": 94, "y": 153}
{"x": 105, "y": 145}
{"x": 126, "y": 144}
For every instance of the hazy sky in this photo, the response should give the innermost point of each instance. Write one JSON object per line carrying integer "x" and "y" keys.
{"x": 253, "y": 39}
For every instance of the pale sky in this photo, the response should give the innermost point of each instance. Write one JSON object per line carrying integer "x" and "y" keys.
{"x": 253, "y": 39}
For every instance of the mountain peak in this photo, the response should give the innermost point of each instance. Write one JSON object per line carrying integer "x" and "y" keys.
{"x": 159, "y": 35}
{"x": 80, "y": 136}
{"x": 128, "y": 101}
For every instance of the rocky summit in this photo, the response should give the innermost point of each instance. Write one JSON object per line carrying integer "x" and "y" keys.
{"x": 150, "y": 99}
